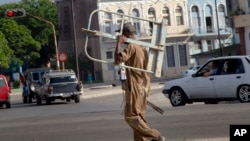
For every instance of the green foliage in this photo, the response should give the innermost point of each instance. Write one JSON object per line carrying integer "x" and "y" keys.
{"x": 16, "y": 84}
{"x": 5, "y": 52}
{"x": 20, "y": 40}
{"x": 31, "y": 39}
{"x": 41, "y": 31}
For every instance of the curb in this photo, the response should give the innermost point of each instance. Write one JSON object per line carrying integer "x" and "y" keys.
{"x": 97, "y": 91}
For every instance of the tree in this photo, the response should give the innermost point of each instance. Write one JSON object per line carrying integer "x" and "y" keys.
{"x": 5, "y": 52}
{"x": 19, "y": 39}
{"x": 41, "y": 31}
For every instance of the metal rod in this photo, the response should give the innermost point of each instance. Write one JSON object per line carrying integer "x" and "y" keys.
{"x": 75, "y": 43}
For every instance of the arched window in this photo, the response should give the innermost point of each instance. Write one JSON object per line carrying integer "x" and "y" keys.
{"x": 107, "y": 22}
{"x": 208, "y": 16}
{"x": 195, "y": 17}
{"x": 136, "y": 22}
{"x": 209, "y": 11}
{"x": 222, "y": 16}
{"x": 195, "y": 9}
{"x": 179, "y": 15}
{"x": 119, "y": 19}
{"x": 120, "y": 11}
{"x": 152, "y": 17}
{"x": 166, "y": 15}
{"x": 151, "y": 14}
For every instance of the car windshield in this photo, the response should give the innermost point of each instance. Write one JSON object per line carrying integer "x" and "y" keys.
{"x": 35, "y": 76}
{"x": 194, "y": 67}
{"x": 2, "y": 83}
{"x": 61, "y": 79}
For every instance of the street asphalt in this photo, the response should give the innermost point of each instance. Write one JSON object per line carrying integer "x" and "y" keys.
{"x": 105, "y": 89}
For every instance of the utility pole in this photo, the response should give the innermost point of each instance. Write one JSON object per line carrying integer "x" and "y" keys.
{"x": 75, "y": 43}
{"x": 217, "y": 18}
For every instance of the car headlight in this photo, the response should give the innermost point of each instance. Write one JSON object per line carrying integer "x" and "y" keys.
{"x": 32, "y": 88}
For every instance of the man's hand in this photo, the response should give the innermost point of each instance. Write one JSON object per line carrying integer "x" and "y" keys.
{"x": 121, "y": 39}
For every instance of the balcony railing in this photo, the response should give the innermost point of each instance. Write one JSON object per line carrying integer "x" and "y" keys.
{"x": 209, "y": 30}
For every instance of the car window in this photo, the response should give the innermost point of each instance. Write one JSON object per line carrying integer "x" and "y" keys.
{"x": 210, "y": 68}
{"x": 35, "y": 76}
{"x": 2, "y": 82}
{"x": 233, "y": 66}
{"x": 61, "y": 79}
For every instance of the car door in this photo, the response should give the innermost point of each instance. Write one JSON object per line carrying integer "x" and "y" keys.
{"x": 226, "y": 84}
{"x": 200, "y": 86}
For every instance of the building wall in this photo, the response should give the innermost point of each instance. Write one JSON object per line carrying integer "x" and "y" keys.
{"x": 66, "y": 43}
{"x": 247, "y": 40}
{"x": 243, "y": 4}
{"x": 207, "y": 36}
{"x": 241, "y": 20}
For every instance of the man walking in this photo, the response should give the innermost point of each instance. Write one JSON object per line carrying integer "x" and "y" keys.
{"x": 137, "y": 85}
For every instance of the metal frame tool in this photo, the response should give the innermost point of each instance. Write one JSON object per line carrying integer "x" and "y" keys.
{"x": 155, "y": 48}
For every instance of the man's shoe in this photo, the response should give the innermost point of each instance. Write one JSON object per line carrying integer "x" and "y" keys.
{"x": 161, "y": 138}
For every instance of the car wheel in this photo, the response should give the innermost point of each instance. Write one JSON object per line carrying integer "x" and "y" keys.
{"x": 244, "y": 93}
{"x": 25, "y": 99}
{"x": 177, "y": 97}
{"x": 8, "y": 105}
{"x": 38, "y": 100}
{"x": 77, "y": 98}
{"x": 68, "y": 99}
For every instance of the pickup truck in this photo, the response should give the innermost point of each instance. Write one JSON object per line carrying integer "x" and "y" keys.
{"x": 58, "y": 84}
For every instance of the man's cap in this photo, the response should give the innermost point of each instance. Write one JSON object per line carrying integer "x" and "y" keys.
{"x": 127, "y": 27}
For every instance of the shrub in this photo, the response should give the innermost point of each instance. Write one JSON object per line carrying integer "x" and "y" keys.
{"x": 16, "y": 84}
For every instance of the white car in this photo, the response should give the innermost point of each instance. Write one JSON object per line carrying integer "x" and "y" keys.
{"x": 230, "y": 82}
{"x": 190, "y": 71}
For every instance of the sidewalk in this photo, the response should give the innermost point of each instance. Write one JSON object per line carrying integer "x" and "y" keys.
{"x": 118, "y": 83}
{"x": 114, "y": 87}
{"x": 104, "y": 90}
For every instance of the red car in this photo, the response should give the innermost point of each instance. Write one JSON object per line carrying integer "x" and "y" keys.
{"x": 4, "y": 92}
